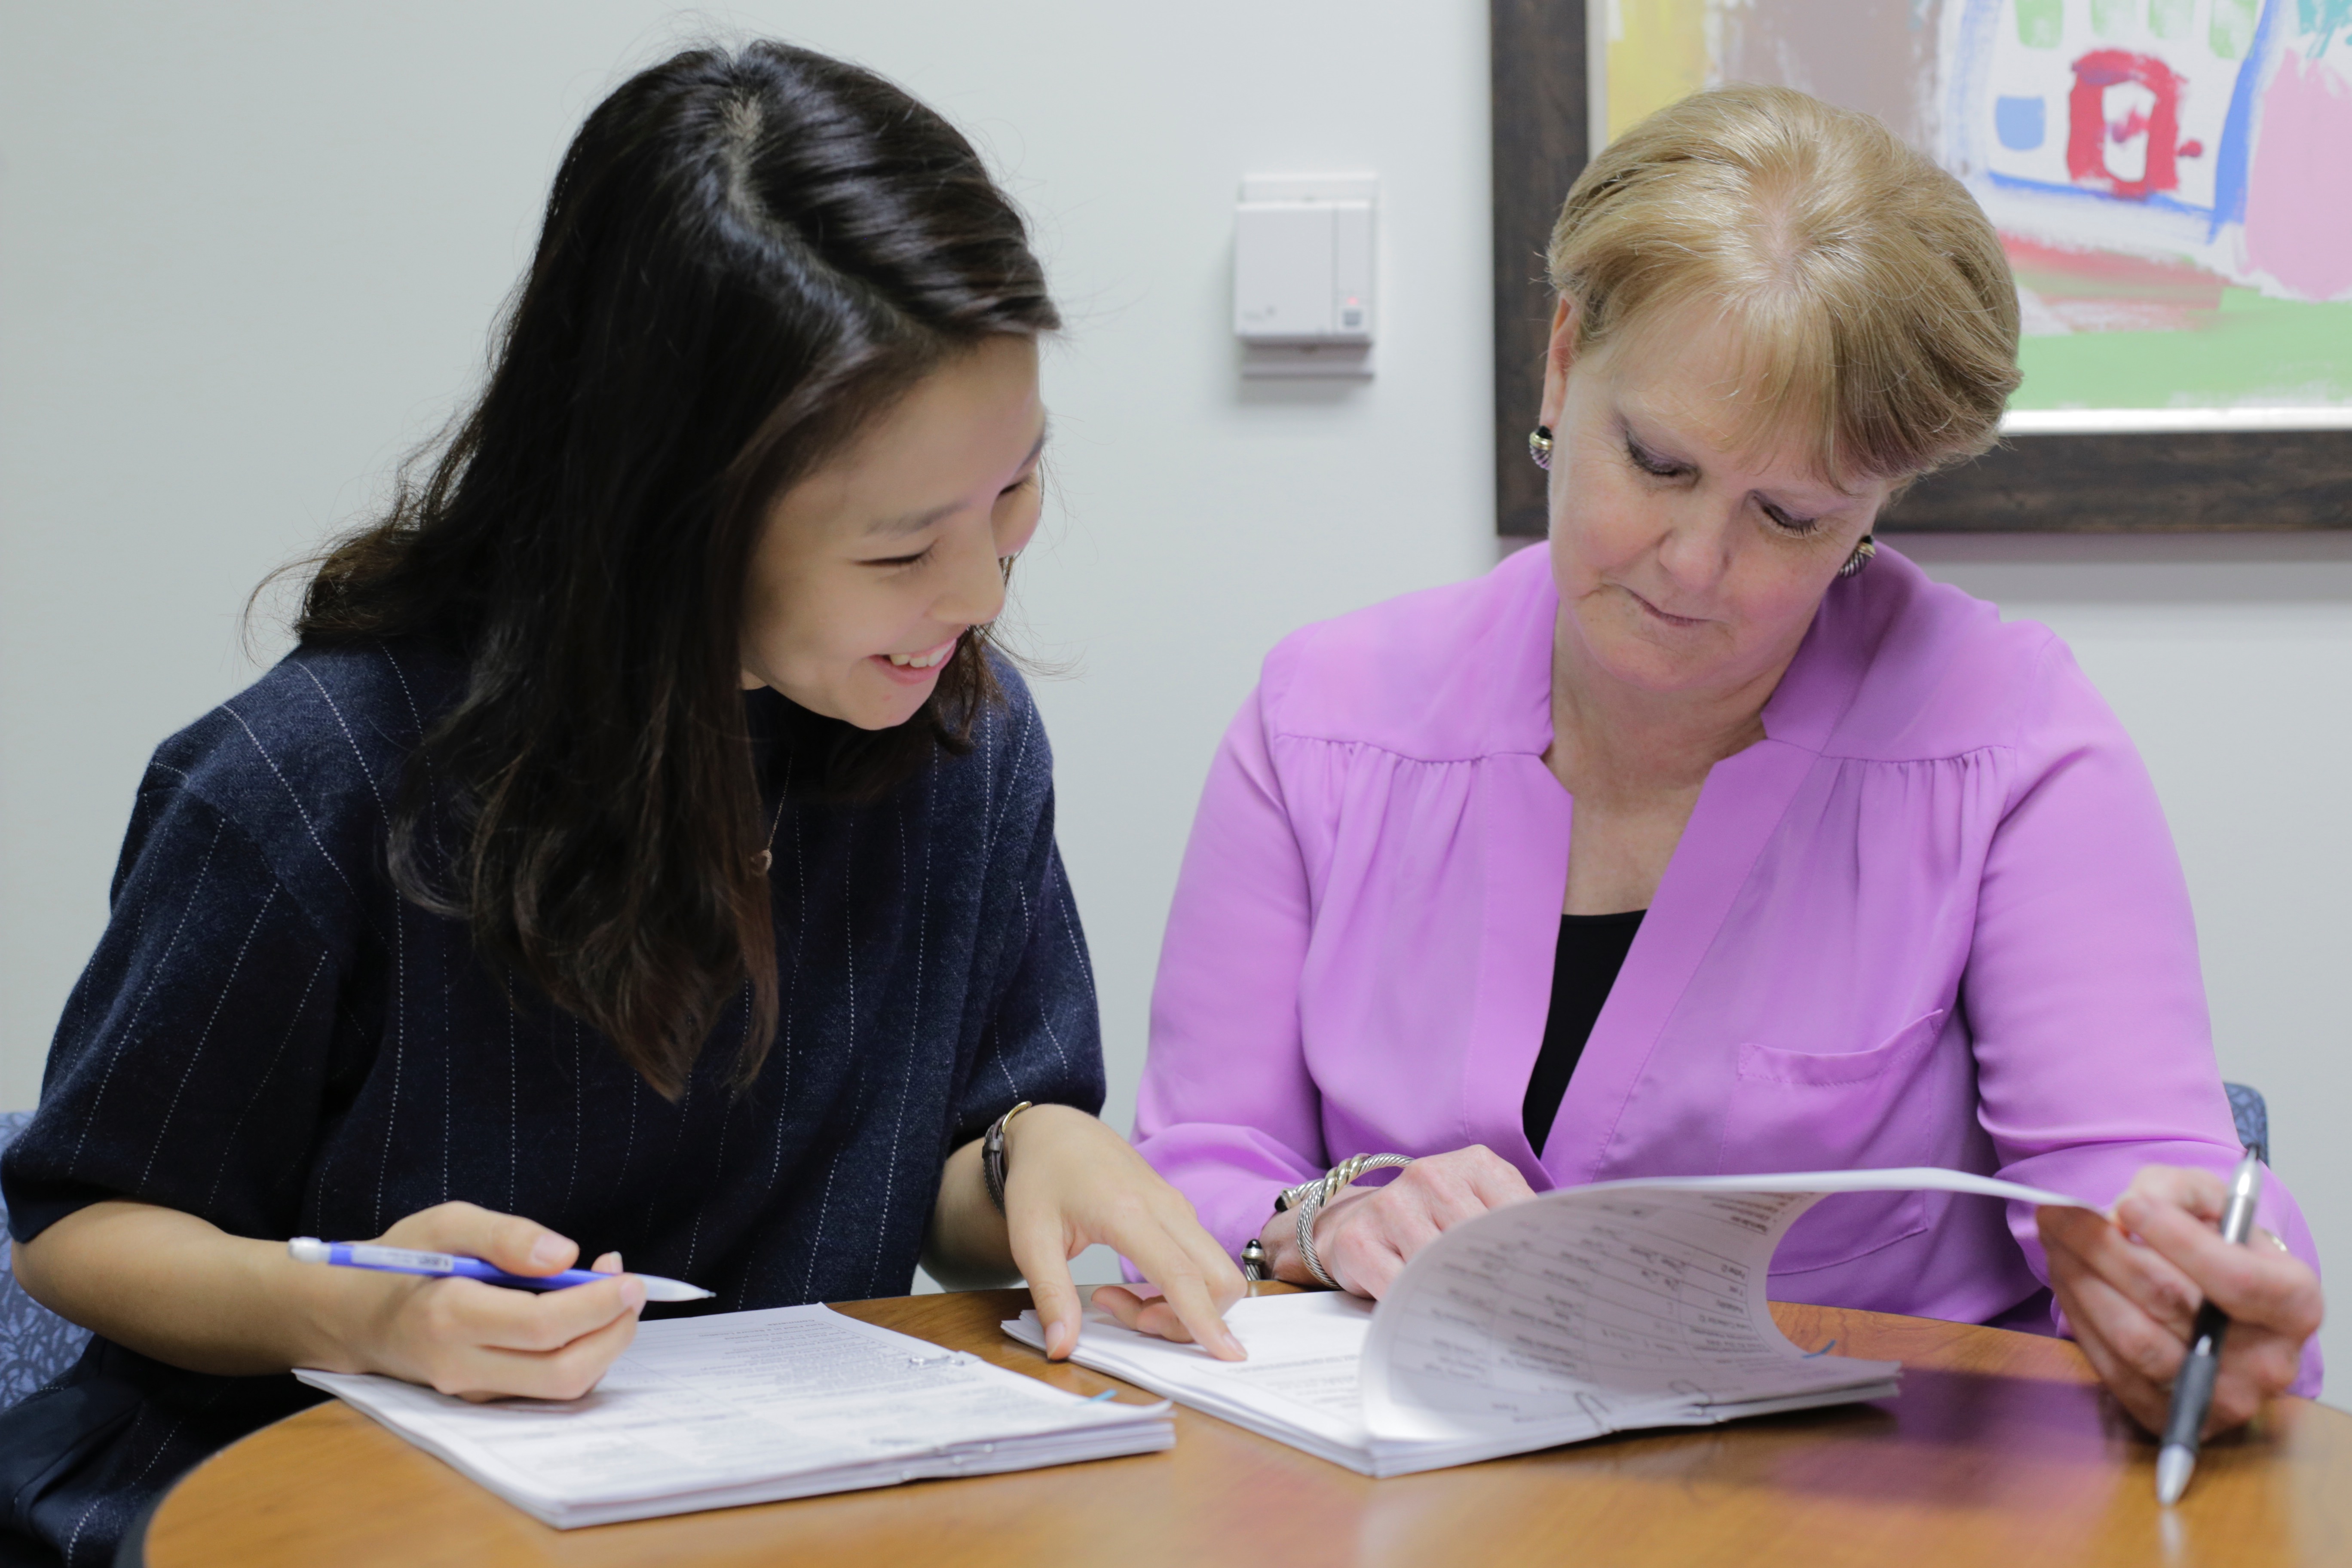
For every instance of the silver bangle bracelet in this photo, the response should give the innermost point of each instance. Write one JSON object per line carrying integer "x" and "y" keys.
{"x": 1313, "y": 1196}
{"x": 1308, "y": 1207}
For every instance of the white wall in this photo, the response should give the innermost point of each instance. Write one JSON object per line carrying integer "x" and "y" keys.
{"x": 248, "y": 251}
{"x": 248, "y": 254}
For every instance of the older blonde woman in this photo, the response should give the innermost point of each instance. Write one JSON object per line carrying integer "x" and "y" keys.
{"x": 1709, "y": 838}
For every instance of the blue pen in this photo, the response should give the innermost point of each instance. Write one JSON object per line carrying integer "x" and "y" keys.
{"x": 404, "y": 1260}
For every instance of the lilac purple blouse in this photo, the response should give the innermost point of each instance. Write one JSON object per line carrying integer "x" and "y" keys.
{"x": 1934, "y": 918}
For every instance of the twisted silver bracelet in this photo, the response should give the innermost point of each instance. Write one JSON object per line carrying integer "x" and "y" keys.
{"x": 1310, "y": 1198}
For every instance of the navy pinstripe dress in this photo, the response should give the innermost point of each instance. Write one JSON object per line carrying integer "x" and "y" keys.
{"x": 268, "y": 1037}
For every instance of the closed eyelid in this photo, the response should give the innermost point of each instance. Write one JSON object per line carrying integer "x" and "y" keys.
{"x": 1657, "y": 464}
{"x": 1651, "y": 460}
{"x": 905, "y": 553}
{"x": 1812, "y": 508}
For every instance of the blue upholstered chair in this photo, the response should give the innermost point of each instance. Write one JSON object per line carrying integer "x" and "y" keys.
{"x": 35, "y": 1344}
{"x": 2248, "y": 1110}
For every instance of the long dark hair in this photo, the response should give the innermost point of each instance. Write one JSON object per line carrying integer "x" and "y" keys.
{"x": 747, "y": 254}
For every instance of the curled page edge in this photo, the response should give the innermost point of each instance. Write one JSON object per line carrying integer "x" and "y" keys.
{"x": 1387, "y": 1416}
{"x": 1903, "y": 1179}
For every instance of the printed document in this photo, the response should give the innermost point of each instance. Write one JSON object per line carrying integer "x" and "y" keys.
{"x": 742, "y": 1407}
{"x": 1584, "y": 1311}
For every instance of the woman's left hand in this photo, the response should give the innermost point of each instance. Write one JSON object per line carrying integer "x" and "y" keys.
{"x": 2131, "y": 1285}
{"x": 1071, "y": 1182}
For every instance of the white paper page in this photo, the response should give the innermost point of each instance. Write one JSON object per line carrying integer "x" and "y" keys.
{"x": 1900, "y": 1179}
{"x": 700, "y": 1405}
{"x": 1612, "y": 1306}
{"x": 1305, "y": 1353}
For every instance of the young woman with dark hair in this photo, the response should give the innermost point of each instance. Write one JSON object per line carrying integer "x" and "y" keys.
{"x": 642, "y": 855}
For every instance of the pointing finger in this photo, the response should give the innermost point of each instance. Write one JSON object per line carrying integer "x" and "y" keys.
{"x": 1038, "y": 1256}
{"x": 1188, "y": 1295}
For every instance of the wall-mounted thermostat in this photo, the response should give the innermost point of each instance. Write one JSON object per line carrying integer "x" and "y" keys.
{"x": 1303, "y": 274}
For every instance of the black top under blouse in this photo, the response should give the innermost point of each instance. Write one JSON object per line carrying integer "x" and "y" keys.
{"x": 270, "y": 1038}
{"x": 1584, "y": 966}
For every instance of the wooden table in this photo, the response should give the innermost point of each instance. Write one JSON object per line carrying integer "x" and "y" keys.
{"x": 1999, "y": 1451}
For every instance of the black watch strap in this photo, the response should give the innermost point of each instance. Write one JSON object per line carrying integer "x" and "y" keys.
{"x": 991, "y": 1156}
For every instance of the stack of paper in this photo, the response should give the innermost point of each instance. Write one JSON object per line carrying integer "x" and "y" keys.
{"x": 748, "y": 1407}
{"x": 1584, "y": 1311}
{"x": 1300, "y": 1385}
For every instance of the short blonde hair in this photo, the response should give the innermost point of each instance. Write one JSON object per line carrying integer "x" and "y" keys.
{"x": 1875, "y": 311}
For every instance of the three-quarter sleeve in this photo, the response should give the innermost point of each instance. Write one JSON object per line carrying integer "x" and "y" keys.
{"x": 1227, "y": 1111}
{"x": 2084, "y": 993}
{"x": 192, "y": 1060}
{"x": 1041, "y": 1040}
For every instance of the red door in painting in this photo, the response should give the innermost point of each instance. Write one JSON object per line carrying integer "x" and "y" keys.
{"x": 2124, "y": 123}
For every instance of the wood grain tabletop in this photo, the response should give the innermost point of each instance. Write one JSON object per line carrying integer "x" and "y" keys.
{"x": 2001, "y": 1449}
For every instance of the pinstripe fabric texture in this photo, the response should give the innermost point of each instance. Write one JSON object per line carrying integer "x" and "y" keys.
{"x": 270, "y": 1037}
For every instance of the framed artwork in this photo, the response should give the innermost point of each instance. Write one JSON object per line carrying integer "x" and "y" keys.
{"x": 2172, "y": 179}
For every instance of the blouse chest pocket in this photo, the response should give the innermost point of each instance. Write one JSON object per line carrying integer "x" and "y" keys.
{"x": 1872, "y": 1110}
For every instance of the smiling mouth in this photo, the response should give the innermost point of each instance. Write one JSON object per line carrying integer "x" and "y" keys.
{"x": 928, "y": 659}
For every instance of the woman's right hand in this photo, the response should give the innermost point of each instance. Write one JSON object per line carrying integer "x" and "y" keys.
{"x": 172, "y": 1286}
{"x": 484, "y": 1341}
{"x": 1367, "y": 1234}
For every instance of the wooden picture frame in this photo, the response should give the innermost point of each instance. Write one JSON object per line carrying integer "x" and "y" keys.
{"x": 2203, "y": 481}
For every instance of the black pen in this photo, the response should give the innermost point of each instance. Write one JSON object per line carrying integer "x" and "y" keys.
{"x": 2192, "y": 1390}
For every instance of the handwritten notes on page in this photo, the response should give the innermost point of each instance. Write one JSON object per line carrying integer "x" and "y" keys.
{"x": 1582, "y": 1311}
{"x": 743, "y": 1407}
{"x": 1593, "y": 1309}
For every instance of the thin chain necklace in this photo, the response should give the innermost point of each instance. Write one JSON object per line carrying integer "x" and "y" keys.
{"x": 767, "y": 857}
